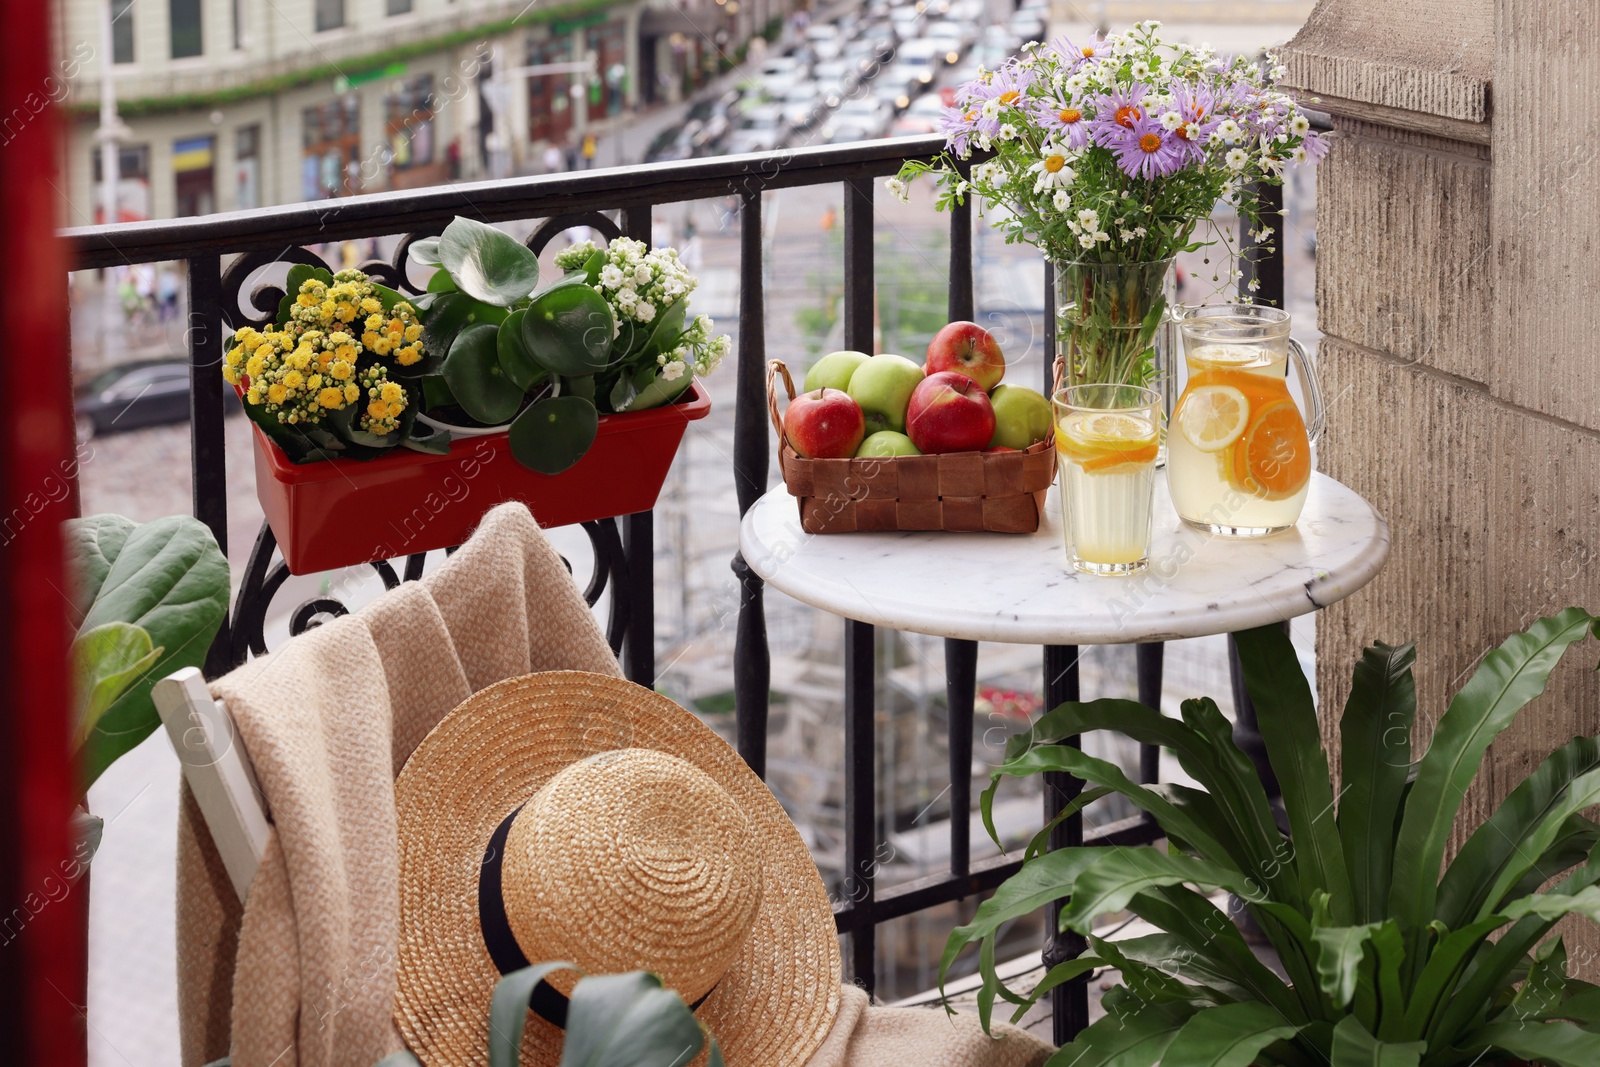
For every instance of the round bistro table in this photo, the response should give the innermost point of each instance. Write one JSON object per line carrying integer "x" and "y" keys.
{"x": 1019, "y": 588}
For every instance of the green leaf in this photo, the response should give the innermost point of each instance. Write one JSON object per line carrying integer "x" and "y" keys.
{"x": 1119, "y": 874}
{"x": 629, "y": 1020}
{"x": 554, "y": 434}
{"x": 1509, "y": 677}
{"x": 106, "y": 661}
{"x": 660, "y": 392}
{"x": 508, "y": 1011}
{"x": 1553, "y": 1044}
{"x": 1339, "y": 953}
{"x": 472, "y": 371}
{"x": 1389, "y": 949}
{"x": 1174, "y": 956}
{"x": 1571, "y": 847}
{"x": 1210, "y": 936}
{"x": 486, "y": 263}
{"x": 1375, "y": 758}
{"x": 1227, "y": 1036}
{"x": 424, "y": 438}
{"x": 1542, "y": 991}
{"x": 515, "y": 359}
{"x": 1451, "y": 953}
{"x": 171, "y": 580}
{"x": 451, "y": 314}
{"x": 1065, "y": 758}
{"x": 425, "y": 253}
{"x": 1151, "y": 981}
{"x": 1059, "y": 975}
{"x": 1511, "y": 840}
{"x": 93, "y": 543}
{"x": 1136, "y": 1039}
{"x": 1031, "y": 888}
{"x": 440, "y": 281}
{"x": 666, "y": 328}
{"x": 569, "y": 330}
{"x": 1354, "y": 1047}
{"x": 1287, "y": 715}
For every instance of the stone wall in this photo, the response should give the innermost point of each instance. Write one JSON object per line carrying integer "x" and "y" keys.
{"x": 1458, "y": 258}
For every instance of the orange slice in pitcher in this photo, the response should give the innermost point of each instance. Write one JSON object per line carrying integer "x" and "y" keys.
{"x": 1213, "y": 417}
{"x": 1104, "y": 441}
{"x": 1273, "y": 458}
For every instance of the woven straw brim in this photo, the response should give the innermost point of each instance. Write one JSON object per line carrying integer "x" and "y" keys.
{"x": 772, "y": 1008}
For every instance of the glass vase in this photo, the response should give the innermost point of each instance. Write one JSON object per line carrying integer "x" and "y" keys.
{"x": 1115, "y": 326}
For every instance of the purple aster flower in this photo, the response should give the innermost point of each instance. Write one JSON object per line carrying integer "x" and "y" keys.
{"x": 1196, "y": 105}
{"x": 1005, "y": 85}
{"x": 1079, "y": 54}
{"x": 1116, "y": 112}
{"x": 1065, "y": 122}
{"x": 1145, "y": 150}
{"x": 1315, "y": 144}
{"x": 957, "y": 125}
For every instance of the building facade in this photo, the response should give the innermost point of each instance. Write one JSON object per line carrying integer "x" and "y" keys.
{"x": 232, "y": 104}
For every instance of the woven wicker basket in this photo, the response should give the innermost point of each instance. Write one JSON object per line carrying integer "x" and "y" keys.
{"x": 960, "y": 491}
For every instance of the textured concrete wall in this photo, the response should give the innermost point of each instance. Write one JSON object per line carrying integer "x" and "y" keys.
{"x": 1458, "y": 258}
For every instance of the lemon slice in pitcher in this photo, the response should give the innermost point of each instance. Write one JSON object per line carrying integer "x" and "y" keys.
{"x": 1213, "y": 417}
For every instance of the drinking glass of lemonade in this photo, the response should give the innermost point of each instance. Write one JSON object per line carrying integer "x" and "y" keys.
{"x": 1238, "y": 451}
{"x": 1107, "y": 438}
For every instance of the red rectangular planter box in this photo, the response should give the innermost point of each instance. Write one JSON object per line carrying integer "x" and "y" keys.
{"x": 339, "y": 513}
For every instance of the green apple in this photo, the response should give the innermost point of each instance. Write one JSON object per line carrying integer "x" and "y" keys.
{"x": 886, "y": 443}
{"x": 882, "y": 386}
{"x": 833, "y": 371}
{"x": 1021, "y": 416}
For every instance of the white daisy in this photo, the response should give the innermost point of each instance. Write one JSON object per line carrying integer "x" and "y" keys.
{"x": 1300, "y": 124}
{"x": 1051, "y": 170}
{"x": 1171, "y": 120}
{"x": 896, "y": 187}
{"x": 1229, "y": 131}
{"x": 1237, "y": 158}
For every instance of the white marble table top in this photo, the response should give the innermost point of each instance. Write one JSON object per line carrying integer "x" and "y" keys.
{"x": 1020, "y": 588}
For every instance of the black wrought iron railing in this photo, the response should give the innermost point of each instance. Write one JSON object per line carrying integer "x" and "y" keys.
{"x": 224, "y": 251}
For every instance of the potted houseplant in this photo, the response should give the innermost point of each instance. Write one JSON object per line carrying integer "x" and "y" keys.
{"x": 345, "y": 480}
{"x": 611, "y": 336}
{"x": 1389, "y": 964}
{"x": 1107, "y": 155}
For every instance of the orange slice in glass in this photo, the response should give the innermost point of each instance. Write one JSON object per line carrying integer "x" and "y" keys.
{"x": 1213, "y": 416}
{"x": 1273, "y": 457}
{"x": 1101, "y": 442}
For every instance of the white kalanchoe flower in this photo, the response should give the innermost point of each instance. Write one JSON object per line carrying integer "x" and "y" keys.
{"x": 672, "y": 371}
{"x": 610, "y": 276}
{"x": 644, "y": 311}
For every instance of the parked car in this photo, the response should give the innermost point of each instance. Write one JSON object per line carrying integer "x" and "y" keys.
{"x": 802, "y": 105}
{"x": 1027, "y": 25}
{"x": 907, "y": 20}
{"x": 133, "y": 395}
{"x": 858, "y": 120}
{"x": 921, "y": 59}
{"x": 759, "y": 129}
{"x": 824, "y": 41}
{"x": 897, "y": 87}
{"x": 921, "y": 118}
{"x": 1000, "y": 39}
{"x": 949, "y": 39}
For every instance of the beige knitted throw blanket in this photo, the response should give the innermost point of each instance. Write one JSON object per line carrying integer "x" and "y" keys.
{"x": 303, "y": 971}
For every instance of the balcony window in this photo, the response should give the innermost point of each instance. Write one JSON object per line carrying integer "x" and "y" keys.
{"x": 399, "y": 7}
{"x": 133, "y": 183}
{"x": 549, "y": 105}
{"x": 122, "y": 31}
{"x": 409, "y": 114}
{"x": 330, "y": 164}
{"x": 247, "y": 167}
{"x": 330, "y": 15}
{"x": 183, "y": 16}
{"x": 194, "y": 175}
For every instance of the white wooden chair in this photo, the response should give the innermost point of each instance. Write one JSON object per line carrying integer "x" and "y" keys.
{"x": 218, "y": 771}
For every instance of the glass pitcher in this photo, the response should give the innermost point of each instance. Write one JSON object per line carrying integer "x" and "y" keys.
{"x": 1238, "y": 450}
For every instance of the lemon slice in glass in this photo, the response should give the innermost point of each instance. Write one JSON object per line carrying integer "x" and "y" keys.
{"x": 1104, "y": 440}
{"x": 1213, "y": 417}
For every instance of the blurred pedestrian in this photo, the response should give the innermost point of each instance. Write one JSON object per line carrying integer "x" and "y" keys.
{"x": 591, "y": 148}
{"x": 691, "y": 253}
{"x": 167, "y": 294}
{"x": 660, "y": 233}
{"x": 452, "y": 155}
{"x": 554, "y": 159}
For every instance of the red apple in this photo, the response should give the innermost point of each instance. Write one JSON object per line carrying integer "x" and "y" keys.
{"x": 825, "y": 424}
{"x": 949, "y": 413}
{"x": 967, "y": 348}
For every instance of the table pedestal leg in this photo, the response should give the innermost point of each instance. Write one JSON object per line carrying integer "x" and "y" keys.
{"x": 1069, "y": 1003}
{"x": 960, "y": 690}
{"x": 860, "y": 801}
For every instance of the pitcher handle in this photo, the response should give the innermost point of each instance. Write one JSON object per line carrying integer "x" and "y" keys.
{"x": 1313, "y": 390}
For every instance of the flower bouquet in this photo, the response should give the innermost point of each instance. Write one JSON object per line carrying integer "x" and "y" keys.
{"x": 1107, "y": 155}
{"x": 611, "y": 336}
{"x": 318, "y": 381}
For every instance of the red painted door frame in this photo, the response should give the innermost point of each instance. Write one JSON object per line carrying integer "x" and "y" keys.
{"x": 42, "y": 914}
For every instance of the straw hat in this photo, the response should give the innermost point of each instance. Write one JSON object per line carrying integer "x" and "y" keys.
{"x": 578, "y": 817}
